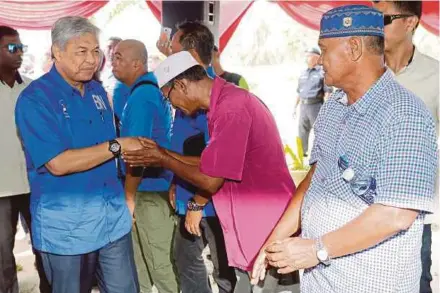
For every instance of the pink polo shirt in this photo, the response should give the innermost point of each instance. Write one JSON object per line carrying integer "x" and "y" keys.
{"x": 246, "y": 150}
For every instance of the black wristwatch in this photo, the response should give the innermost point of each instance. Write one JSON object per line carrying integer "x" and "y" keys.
{"x": 114, "y": 147}
{"x": 191, "y": 205}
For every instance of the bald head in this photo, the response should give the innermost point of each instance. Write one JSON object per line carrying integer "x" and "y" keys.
{"x": 134, "y": 50}
{"x": 130, "y": 61}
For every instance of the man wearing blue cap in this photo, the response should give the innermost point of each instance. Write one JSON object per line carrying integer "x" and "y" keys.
{"x": 312, "y": 92}
{"x": 360, "y": 209}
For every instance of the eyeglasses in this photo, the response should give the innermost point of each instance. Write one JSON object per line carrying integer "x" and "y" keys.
{"x": 362, "y": 186}
{"x": 14, "y": 48}
{"x": 389, "y": 18}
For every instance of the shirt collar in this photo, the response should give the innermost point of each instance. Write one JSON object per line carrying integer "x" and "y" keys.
{"x": 148, "y": 76}
{"x": 217, "y": 86}
{"x": 375, "y": 91}
{"x": 18, "y": 78}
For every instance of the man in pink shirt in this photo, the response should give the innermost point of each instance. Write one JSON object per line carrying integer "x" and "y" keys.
{"x": 243, "y": 165}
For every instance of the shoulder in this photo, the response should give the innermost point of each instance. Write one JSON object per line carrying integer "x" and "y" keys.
{"x": 37, "y": 90}
{"x": 427, "y": 64}
{"x": 400, "y": 104}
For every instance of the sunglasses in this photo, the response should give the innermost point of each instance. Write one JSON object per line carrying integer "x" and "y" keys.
{"x": 389, "y": 18}
{"x": 14, "y": 48}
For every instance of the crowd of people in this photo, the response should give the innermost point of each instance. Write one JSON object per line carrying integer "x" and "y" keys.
{"x": 122, "y": 192}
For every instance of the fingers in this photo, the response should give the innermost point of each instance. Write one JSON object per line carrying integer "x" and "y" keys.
{"x": 146, "y": 142}
{"x": 275, "y": 247}
{"x": 172, "y": 199}
{"x": 286, "y": 270}
{"x": 196, "y": 229}
{"x": 274, "y": 257}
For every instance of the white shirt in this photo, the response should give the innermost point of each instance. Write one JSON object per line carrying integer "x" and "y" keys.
{"x": 421, "y": 77}
{"x": 13, "y": 175}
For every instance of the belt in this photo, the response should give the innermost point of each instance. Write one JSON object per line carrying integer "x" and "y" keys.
{"x": 311, "y": 101}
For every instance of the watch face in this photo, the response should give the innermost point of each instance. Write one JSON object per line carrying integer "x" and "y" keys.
{"x": 322, "y": 255}
{"x": 115, "y": 147}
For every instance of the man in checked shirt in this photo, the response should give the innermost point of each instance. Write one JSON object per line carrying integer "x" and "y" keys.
{"x": 362, "y": 206}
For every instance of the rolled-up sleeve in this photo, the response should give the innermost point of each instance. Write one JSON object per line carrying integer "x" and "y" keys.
{"x": 225, "y": 154}
{"x": 39, "y": 130}
{"x": 408, "y": 164}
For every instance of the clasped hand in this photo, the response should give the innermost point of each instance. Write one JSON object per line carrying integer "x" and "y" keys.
{"x": 150, "y": 155}
{"x": 287, "y": 256}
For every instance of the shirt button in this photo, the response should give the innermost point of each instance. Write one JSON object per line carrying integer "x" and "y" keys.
{"x": 105, "y": 184}
{"x": 323, "y": 180}
{"x": 90, "y": 121}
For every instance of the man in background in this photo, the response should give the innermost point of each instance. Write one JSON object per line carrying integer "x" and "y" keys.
{"x": 117, "y": 91}
{"x": 190, "y": 135}
{"x": 14, "y": 186}
{"x": 312, "y": 92}
{"x": 420, "y": 74}
{"x": 147, "y": 114}
{"x": 231, "y": 77}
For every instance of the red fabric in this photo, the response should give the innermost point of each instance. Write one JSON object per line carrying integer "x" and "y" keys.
{"x": 41, "y": 15}
{"x": 309, "y": 13}
{"x": 156, "y": 8}
{"x": 430, "y": 16}
{"x": 227, "y": 33}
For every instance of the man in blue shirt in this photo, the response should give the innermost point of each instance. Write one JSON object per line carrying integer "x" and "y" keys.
{"x": 148, "y": 114}
{"x": 312, "y": 92}
{"x": 190, "y": 136}
{"x": 79, "y": 215}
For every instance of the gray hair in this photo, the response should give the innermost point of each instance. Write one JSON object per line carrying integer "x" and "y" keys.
{"x": 69, "y": 27}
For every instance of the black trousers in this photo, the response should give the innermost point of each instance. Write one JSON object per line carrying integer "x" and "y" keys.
{"x": 10, "y": 208}
{"x": 188, "y": 250}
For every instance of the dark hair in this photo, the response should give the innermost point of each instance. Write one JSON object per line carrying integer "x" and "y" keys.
{"x": 197, "y": 36}
{"x": 7, "y": 31}
{"x": 195, "y": 73}
{"x": 408, "y": 7}
{"x": 375, "y": 44}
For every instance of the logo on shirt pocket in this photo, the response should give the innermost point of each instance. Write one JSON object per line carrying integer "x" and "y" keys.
{"x": 99, "y": 102}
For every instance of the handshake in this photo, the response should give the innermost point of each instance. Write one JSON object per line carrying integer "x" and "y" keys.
{"x": 141, "y": 152}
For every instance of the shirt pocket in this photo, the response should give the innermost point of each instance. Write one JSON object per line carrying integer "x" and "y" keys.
{"x": 81, "y": 129}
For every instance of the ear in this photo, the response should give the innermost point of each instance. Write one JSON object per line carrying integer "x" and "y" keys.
{"x": 181, "y": 85}
{"x": 355, "y": 48}
{"x": 411, "y": 23}
{"x": 56, "y": 51}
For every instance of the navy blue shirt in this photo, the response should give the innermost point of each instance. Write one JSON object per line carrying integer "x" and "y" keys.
{"x": 81, "y": 212}
{"x": 149, "y": 115}
{"x": 311, "y": 84}
{"x": 184, "y": 127}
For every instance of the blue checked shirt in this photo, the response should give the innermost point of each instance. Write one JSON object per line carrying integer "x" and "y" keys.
{"x": 387, "y": 135}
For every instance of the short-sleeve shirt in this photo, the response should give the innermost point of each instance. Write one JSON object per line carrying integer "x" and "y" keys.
{"x": 185, "y": 127}
{"x": 421, "y": 77}
{"x": 120, "y": 97}
{"x": 148, "y": 114}
{"x": 311, "y": 84}
{"x": 388, "y": 135}
{"x": 245, "y": 149}
{"x": 81, "y": 212}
